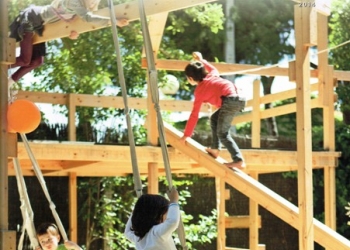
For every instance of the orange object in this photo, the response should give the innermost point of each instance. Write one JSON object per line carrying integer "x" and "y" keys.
{"x": 23, "y": 116}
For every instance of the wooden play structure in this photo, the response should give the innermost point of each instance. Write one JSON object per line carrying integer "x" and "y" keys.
{"x": 74, "y": 159}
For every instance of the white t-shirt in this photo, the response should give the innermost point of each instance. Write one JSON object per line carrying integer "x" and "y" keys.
{"x": 159, "y": 236}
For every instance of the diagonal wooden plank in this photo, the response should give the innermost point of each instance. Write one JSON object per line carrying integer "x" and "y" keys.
{"x": 253, "y": 189}
{"x": 129, "y": 11}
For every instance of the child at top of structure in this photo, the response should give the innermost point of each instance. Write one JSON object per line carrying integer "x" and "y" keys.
{"x": 153, "y": 221}
{"x": 222, "y": 93}
{"x": 33, "y": 19}
{"x": 49, "y": 238}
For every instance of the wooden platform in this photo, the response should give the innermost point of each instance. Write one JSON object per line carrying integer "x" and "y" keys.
{"x": 88, "y": 159}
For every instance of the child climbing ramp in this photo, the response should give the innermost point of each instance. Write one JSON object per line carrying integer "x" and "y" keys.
{"x": 225, "y": 95}
{"x": 33, "y": 20}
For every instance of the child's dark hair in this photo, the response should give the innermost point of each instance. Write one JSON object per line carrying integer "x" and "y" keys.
{"x": 196, "y": 70}
{"x": 47, "y": 227}
{"x": 148, "y": 212}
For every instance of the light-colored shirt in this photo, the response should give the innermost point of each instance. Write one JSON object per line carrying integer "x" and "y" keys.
{"x": 160, "y": 236}
{"x": 67, "y": 9}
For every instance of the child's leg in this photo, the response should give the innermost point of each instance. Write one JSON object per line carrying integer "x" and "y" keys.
{"x": 230, "y": 107}
{"x": 215, "y": 143}
{"x": 26, "y": 52}
{"x": 36, "y": 60}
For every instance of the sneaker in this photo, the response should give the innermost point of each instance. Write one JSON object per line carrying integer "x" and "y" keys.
{"x": 239, "y": 164}
{"x": 213, "y": 152}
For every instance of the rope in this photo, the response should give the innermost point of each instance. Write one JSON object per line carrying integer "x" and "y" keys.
{"x": 136, "y": 175}
{"x": 26, "y": 209}
{"x": 40, "y": 177}
{"x": 155, "y": 98}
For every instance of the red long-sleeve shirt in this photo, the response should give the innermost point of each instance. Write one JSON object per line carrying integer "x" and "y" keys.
{"x": 210, "y": 90}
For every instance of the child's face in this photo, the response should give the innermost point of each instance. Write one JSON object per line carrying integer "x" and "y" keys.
{"x": 191, "y": 81}
{"x": 49, "y": 241}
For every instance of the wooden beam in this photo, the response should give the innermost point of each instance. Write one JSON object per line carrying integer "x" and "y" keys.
{"x": 129, "y": 11}
{"x": 254, "y": 220}
{"x": 221, "y": 210}
{"x": 253, "y": 189}
{"x": 304, "y": 148}
{"x": 61, "y": 158}
{"x": 241, "y": 221}
{"x": 73, "y": 207}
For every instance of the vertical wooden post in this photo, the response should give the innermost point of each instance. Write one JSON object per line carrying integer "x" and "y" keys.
{"x": 253, "y": 219}
{"x": 7, "y": 238}
{"x": 153, "y": 183}
{"x": 256, "y": 122}
{"x": 326, "y": 98}
{"x": 220, "y": 207}
{"x": 304, "y": 148}
{"x": 72, "y": 131}
{"x": 73, "y": 207}
{"x": 156, "y": 28}
{"x": 329, "y": 144}
{"x": 256, "y": 140}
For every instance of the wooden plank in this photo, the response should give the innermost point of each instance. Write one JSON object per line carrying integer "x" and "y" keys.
{"x": 242, "y": 221}
{"x": 12, "y": 144}
{"x": 129, "y": 11}
{"x": 73, "y": 207}
{"x": 260, "y": 247}
{"x": 85, "y": 100}
{"x": 302, "y": 26}
{"x": 256, "y": 122}
{"x": 227, "y": 68}
{"x": 253, "y": 189}
{"x": 152, "y": 180}
{"x": 254, "y": 219}
{"x": 273, "y": 112}
{"x": 221, "y": 210}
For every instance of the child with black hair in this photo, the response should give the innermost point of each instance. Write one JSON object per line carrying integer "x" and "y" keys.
{"x": 153, "y": 221}
{"x": 49, "y": 238}
{"x": 222, "y": 93}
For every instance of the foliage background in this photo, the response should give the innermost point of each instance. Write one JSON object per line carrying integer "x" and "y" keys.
{"x": 263, "y": 32}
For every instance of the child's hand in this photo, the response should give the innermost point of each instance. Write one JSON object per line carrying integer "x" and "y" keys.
{"x": 122, "y": 22}
{"x": 73, "y": 35}
{"x": 197, "y": 56}
{"x": 173, "y": 195}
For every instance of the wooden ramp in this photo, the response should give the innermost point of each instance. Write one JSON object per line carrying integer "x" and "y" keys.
{"x": 253, "y": 189}
{"x": 128, "y": 10}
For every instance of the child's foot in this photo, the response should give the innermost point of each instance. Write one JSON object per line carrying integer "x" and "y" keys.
{"x": 213, "y": 152}
{"x": 239, "y": 164}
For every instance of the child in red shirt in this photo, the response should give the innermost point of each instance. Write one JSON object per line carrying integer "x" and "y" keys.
{"x": 223, "y": 94}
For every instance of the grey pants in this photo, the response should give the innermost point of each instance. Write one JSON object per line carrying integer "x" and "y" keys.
{"x": 220, "y": 123}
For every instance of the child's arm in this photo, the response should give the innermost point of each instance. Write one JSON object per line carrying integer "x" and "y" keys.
{"x": 210, "y": 68}
{"x": 129, "y": 234}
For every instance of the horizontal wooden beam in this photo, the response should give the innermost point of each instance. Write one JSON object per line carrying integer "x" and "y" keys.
{"x": 129, "y": 11}
{"x": 239, "y": 222}
{"x": 87, "y": 159}
{"x": 84, "y": 100}
{"x": 241, "y": 69}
